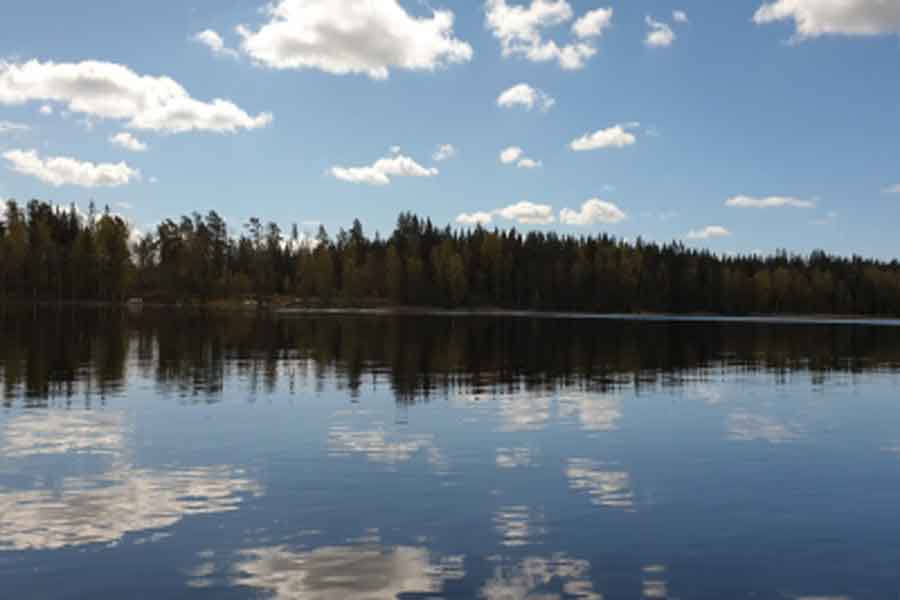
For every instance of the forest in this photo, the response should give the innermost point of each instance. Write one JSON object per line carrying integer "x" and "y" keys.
{"x": 56, "y": 254}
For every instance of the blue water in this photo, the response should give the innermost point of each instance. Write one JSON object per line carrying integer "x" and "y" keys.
{"x": 183, "y": 460}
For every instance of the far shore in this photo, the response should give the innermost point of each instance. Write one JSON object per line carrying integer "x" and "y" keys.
{"x": 297, "y": 309}
{"x": 539, "y": 314}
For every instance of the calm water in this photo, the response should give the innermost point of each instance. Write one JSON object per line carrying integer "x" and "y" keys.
{"x": 163, "y": 455}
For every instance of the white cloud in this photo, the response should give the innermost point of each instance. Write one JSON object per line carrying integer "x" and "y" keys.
{"x": 707, "y": 233}
{"x": 529, "y": 163}
{"x": 660, "y": 34}
{"x": 111, "y": 91}
{"x": 61, "y": 170}
{"x": 515, "y": 155}
{"x": 527, "y": 97}
{"x": 444, "y": 152}
{"x": 128, "y": 141}
{"x": 616, "y": 136}
{"x": 382, "y": 170}
{"x": 593, "y": 23}
{"x": 528, "y": 213}
{"x": 679, "y": 16}
{"x": 46, "y": 109}
{"x": 814, "y": 18}
{"x": 353, "y": 36}
{"x": 592, "y": 212}
{"x": 475, "y": 218}
{"x": 212, "y": 40}
{"x": 511, "y": 155}
{"x": 520, "y": 31}
{"x": 892, "y": 189}
{"x": 10, "y": 127}
{"x": 768, "y": 202}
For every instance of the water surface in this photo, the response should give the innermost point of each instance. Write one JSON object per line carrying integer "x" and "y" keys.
{"x": 189, "y": 455}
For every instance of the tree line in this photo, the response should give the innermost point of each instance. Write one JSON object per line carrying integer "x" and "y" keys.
{"x": 52, "y": 253}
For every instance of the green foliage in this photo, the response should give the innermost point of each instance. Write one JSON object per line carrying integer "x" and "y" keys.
{"x": 52, "y": 253}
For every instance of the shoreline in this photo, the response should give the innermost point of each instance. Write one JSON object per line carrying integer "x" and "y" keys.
{"x": 401, "y": 310}
{"x": 573, "y": 315}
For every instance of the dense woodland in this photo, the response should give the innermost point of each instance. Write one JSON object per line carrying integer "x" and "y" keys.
{"x": 49, "y": 253}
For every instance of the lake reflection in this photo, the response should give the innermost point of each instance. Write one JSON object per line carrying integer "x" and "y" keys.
{"x": 176, "y": 454}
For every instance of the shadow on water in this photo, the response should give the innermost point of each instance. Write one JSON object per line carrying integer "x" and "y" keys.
{"x": 49, "y": 355}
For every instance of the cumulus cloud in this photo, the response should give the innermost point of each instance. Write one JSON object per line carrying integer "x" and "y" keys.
{"x": 527, "y": 213}
{"x": 814, "y": 18}
{"x": 707, "y": 233}
{"x": 679, "y": 16}
{"x": 617, "y": 136}
{"x": 768, "y": 202}
{"x": 529, "y": 163}
{"x": 520, "y": 30}
{"x": 212, "y": 40}
{"x": 475, "y": 218}
{"x": 61, "y": 170}
{"x": 381, "y": 172}
{"x": 111, "y": 91}
{"x": 515, "y": 155}
{"x": 593, "y": 23}
{"x": 353, "y": 36}
{"x": 128, "y": 141}
{"x": 527, "y": 97}
{"x": 444, "y": 152}
{"x": 511, "y": 155}
{"x": 660, "y": 34}
{"x": 593, "y": 212}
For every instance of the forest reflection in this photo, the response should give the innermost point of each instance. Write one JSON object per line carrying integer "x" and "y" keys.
{"x": 60, "y": 354}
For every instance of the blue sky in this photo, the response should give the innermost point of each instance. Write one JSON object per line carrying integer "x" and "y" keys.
{"x": 788, "y": 108}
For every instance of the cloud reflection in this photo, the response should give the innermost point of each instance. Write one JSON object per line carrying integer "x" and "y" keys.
{"x": 368, "y": 572}
{"x": 33, "y": 434}
{"x": 610, "y": 489}
{"x": 103, "y": 507}
{"x": 524, "y": 412}
{"x": 595, "y": 412}
{"x": 747, "y": 427}
{"x": 542, "y": 579}
{"x": 376, "y": 444}
{"x": 655, "y": 585}
{"x": 512, "y": 458}
{"x": 517, "y": 525}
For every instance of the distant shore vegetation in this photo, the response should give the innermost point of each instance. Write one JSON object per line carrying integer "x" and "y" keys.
{"x": 52, "y": 253}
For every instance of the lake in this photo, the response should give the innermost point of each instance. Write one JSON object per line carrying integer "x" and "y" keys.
{"x": 166, "y": 454}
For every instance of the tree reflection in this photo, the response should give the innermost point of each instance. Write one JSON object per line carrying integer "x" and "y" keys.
{"x": 48, "y": 355}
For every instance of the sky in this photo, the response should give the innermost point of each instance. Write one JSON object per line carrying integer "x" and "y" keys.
{"x": 740, "y": 126}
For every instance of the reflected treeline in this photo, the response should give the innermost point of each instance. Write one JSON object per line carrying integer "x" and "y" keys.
{"x": 49, "y": 354}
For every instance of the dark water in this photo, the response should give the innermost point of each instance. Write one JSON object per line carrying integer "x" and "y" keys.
{"x": 165, "y": 455}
